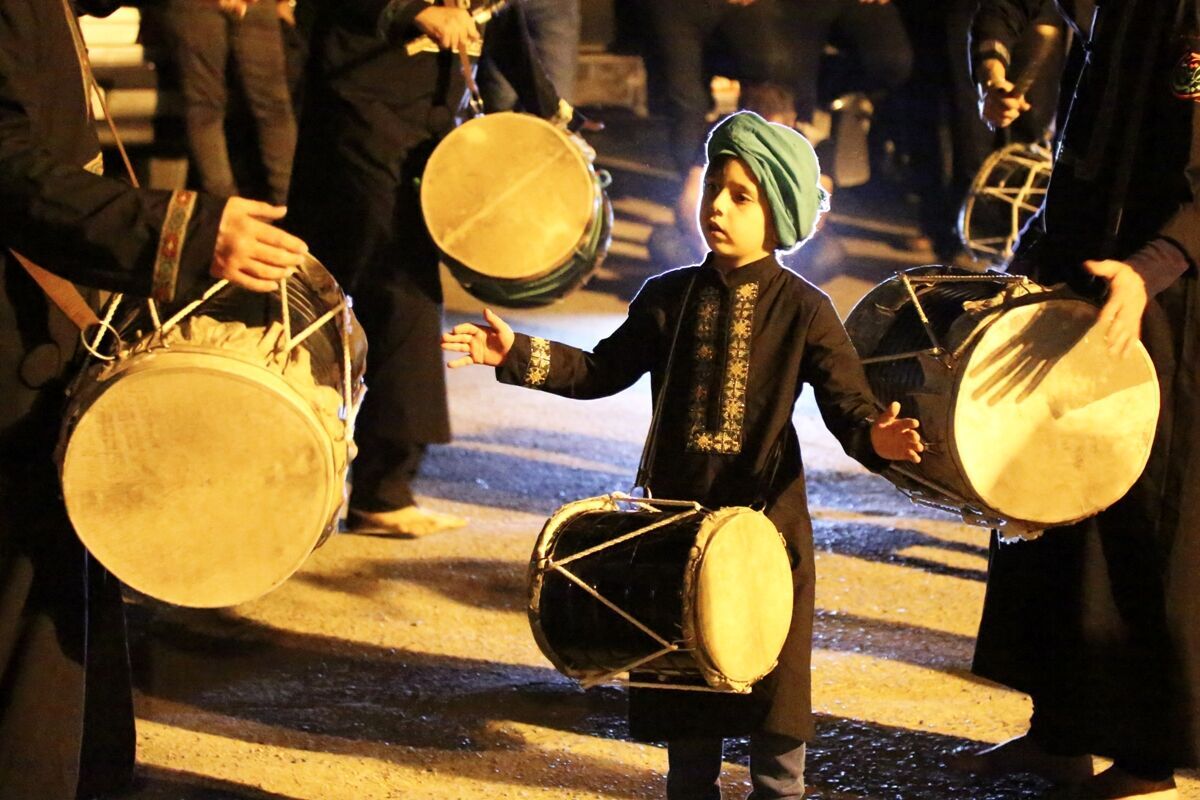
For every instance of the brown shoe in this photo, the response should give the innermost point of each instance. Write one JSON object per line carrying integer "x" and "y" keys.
{"x": 1117, "y": 784}
{"x": 410, "y": 521}
{"x": 1023, "y": 755}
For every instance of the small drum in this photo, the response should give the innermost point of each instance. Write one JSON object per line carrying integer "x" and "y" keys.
{"x": 1028, "y": 421}
{"x": 1007, "y": 192}
{"x": 516, "y": 209}
{"x": 669, "y": 588}
{"x": 206, "y": 459}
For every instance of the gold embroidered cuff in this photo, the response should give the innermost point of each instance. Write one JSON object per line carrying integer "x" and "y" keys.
{"x": 539, "y": 362}
{"x": 170, "y": 245}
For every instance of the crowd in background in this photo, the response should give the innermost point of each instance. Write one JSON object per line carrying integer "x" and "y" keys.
{"x": 873, "y": 83}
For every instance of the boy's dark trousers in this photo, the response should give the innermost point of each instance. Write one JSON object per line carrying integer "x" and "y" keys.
{"x": 776, "y": 768}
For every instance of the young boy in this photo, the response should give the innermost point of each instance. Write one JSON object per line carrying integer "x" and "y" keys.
{"x": 752, "y": 333}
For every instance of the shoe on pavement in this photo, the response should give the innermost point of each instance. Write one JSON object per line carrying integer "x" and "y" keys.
{"x": 1024, "y": 755}
{"x": 410, "y": 521}
{"x": 1115, "y": 783}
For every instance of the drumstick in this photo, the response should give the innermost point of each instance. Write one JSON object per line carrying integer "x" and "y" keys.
{"x": 423, "y": 44}
{"x": 1045, "y": 40}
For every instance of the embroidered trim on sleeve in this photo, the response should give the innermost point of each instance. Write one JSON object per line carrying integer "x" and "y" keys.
{"x": 170, "y": 245}
{"x": 539, "y": 362}
{"x": 727, "y": 438}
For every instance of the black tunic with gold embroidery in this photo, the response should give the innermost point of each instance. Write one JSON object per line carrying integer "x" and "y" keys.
{"x": 748, "y": 343}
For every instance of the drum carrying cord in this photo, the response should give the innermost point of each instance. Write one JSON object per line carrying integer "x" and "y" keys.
{"x": 642, "y": 479}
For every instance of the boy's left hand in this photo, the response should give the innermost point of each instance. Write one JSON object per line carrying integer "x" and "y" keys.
{"x": 894, "y": 438}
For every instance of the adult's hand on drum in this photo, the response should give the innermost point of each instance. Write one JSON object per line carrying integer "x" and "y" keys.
{"x": 999, "y": 104}
{"x": 250, "y": 251}
{"x": 1121, "y": 317}
{"x": 450, "y": 28}
{"x": 485, "y": 344}
{"x": 895, "y": 438}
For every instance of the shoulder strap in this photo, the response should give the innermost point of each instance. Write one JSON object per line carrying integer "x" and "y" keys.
{"x": 61, "y": 292}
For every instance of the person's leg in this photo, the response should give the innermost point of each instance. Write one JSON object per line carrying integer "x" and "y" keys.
{"x": 554, "y": 27}
{"x": 1040, "y": 751}
{"x": 804, "y": 25}
{"x": 257, "y": 43}
{"x": 879, "y": 45}
{"x": 383, "y": 473}
{"x": 776, "y": 767}
{"x": 199, "y": 34}
{"x": 694, "y": 768}
{"x": 679, "y": 30}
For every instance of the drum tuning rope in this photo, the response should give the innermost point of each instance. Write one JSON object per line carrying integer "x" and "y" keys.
{"x": 105, "y": 325}
{"x": 192, "y": 306}
{"x": 588, "y": 683}
{"x": 908, "y": 287}
{"x": 622, "y": 539}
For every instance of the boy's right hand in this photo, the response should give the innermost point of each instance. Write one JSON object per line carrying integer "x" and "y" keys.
{"x": 488, "y": 344}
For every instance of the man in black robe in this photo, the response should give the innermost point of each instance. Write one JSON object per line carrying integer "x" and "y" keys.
{"x": 1099, "y": 622}
{"x": 66, "y": 714}
{"x": 372, "y": 116}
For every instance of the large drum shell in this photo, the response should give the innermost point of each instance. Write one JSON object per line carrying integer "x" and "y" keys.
{"x": 204, "y": 464}
{"x": 716, "y": 584}
{"x": 516, "y": 209}
{"x": 1027, "y": 417}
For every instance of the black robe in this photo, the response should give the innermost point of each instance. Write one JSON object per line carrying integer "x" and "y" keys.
{"x": 1100, "y": 621}
{"x": 372, "y": 116}
{"x": 747, "y": 345}
{"x": 61, "y": 624}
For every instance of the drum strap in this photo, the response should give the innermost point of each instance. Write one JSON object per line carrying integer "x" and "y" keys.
{"x": 644, "y": 466}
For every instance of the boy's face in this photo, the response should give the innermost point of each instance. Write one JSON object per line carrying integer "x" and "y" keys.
{"x": 735, "y": 219}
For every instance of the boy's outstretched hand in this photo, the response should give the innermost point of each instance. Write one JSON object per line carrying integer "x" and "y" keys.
{"x": 896, "y": 439}
{"x": 488, "y": 344}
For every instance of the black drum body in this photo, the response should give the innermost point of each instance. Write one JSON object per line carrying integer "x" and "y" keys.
{"x": 677, "y": 591}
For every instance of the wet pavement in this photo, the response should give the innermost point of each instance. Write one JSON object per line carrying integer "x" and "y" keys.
{"x": 397, "y": 668}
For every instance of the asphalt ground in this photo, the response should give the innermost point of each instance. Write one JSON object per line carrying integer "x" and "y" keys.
{"x": 401, "y": 668}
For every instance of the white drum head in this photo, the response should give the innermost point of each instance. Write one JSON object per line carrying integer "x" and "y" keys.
{"x": 195, "y": 483}
{"x": 508, "y": 196}
{"x": 743, "y": 594}
{"x": 1049, "y": 427}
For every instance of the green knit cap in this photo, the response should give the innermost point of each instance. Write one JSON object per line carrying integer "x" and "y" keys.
{"x": 785, "y": 166}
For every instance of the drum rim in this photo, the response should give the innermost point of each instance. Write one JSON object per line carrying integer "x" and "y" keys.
{"x": 542, "y": 547}
{"x": 578, "y": 157}
{"x": 572, "y": 274}
{"x": 139, "y": 365}
{"x": 692, "y": 635}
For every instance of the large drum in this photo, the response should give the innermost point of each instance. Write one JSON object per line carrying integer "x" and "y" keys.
{"x": 699, "y": 599}
{"x": 1007, "y": 191}
{"x": 206, "y": 459}
{"x": 1028, "y": 421}
{"x": 516, "y": 209}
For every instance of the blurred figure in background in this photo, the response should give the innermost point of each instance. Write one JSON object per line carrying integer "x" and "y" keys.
{"x": 939, "y": 128}
{"x": 683, "y": 37}
{"x": 206, "y": 36}
{"x": 554, "y": 27}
